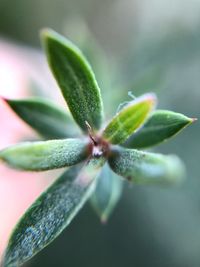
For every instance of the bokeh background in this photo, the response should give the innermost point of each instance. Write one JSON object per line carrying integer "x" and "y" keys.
{"x": 133, "y": 45}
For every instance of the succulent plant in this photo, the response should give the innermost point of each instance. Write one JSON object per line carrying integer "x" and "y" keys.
{"x": 96, "y": 160}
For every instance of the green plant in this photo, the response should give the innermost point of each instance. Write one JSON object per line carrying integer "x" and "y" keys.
{"x": 94, "y": 160}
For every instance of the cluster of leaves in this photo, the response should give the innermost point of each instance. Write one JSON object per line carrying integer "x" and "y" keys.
{"x": 94, "y": 161}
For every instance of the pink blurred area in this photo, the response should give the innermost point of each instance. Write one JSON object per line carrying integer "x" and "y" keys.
{"x": 18, "y": 66}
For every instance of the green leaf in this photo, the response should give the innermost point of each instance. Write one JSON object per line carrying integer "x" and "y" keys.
{"x": 161, "y": 125}
{"x": 146, "y": 168}
{"x": 107, "y": 193}
{"x": 46, "y": 155}
{"x": 129, "y": 119}
{"x": 51, "y": 213}
{"x": 44, "y": 116}
{"x": 75, "y": 78}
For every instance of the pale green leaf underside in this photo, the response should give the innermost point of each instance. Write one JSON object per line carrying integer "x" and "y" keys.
{"x": 107, "y": 193}
{"x": 45, "y": 155}
{"x": 146, "y": 168}
{"x": 161, "y": 125}
{"x": 129, "y": 119}
{"x": 45, "y": 117}
{"x": 75, "y": 78}
{"x": 51, "y": 213}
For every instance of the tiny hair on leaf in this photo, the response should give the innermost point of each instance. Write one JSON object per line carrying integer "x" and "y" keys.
{"x": 129, "y": 119}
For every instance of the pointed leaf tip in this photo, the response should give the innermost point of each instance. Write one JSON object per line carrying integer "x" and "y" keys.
{"x": 48, "y": 119}
{"x": 160, "y": 126}
{"x": 194, "y": 119}
{"x": 129, "y": 119}
{"x": 75, "y": 79}
{"x": 3, "y": 98}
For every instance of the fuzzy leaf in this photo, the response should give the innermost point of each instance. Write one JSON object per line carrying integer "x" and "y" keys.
{"x": 146, "y": 168}
{"x": 161, "y": 125}
{"x": 129, "y": 119}
{"x": 51, "y": 213}
{"x": 75, "y": 78}
{"x": 45, "y": 117}
{"x": 45, "y": 155}
{"x": 107, "y": 193}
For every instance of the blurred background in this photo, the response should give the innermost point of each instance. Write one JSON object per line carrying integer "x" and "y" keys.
{"x": 133, "y": 45}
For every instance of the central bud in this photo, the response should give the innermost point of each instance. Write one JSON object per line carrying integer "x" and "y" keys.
{"x": 99, "y": 146}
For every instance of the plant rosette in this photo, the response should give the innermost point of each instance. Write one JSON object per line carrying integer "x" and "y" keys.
{"x": 96, "y": 160}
